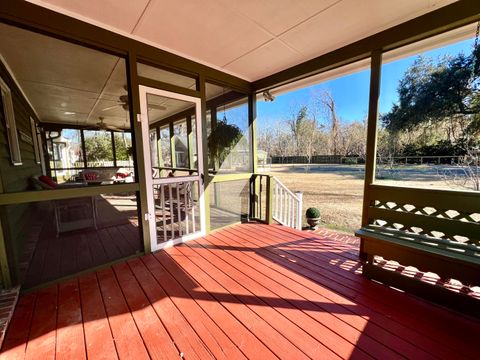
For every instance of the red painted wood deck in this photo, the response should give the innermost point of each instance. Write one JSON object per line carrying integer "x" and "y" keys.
{"x": 249, "y": 291}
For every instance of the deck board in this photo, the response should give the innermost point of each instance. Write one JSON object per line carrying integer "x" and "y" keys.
{"x": 248, "y": 291}
{"x": 156, "y": 337}
{"x": 178, "y": 327}
{"x": 42, "y": 337}
{"x": 344, "y": 323}
{"x": 128, "y": 341}
{"x": 98, "y": 336}
{"x": 246, "y": 342}
{"x": 212, "y": 336}
{"x": 416, "y": 314}
{"x": 16, "y": 341}
{"x": 70, "y": 342}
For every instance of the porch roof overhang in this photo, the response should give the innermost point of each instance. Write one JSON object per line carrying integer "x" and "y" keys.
{"x": 227, "y": 50}
{"x": 249, "y": 39}
{"x": 263, "y": 42}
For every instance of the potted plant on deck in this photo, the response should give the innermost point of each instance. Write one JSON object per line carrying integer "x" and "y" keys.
{"x": 313, "y": 217}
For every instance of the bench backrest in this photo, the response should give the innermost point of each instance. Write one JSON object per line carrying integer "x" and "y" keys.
{"x": 449, "y": 215}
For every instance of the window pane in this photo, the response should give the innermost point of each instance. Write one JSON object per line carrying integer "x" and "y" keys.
{"x": 123, "y": 152}
{"x": 429, "y": 133}
{"x": 228, "y": 202}
{"x": 98, "y": 148}
{"x": 181, "y": 143}
{"x": 312, "y": 137}
{"x": 164, "y": 149}
{"x": 65, "y": 153}
{"x": 53, "y": 239}
{"x": 229, "y": 137}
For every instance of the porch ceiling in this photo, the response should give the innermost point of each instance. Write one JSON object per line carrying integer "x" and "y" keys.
{"x": 250, "y": 39}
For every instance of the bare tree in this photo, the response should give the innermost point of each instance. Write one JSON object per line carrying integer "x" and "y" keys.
{"x": 305, "y": 131}
{"x": 466, "y": 173}
{"x": 328, "y": 102}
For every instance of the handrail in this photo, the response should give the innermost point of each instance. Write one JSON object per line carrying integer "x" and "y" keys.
{"x": 285, "y": 188}
{"x": 287, "y": 206}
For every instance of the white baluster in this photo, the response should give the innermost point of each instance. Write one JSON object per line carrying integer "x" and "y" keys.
{"x": 275, "y": 211}
{"x": 299, "y": 195}
{"x": 170, "y": 197}
{"x": 164, "y": 220}
{"x": 193, "y": 212}
{"x": 186, "y": 206}
{"x": 179, "y": 221}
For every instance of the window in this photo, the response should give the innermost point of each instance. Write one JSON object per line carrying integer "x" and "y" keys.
{"x": 429, "y": 133}
{"x": 9, "y": 115}
{"x": 228, "y": 131}
{"x": 98, "y": 148}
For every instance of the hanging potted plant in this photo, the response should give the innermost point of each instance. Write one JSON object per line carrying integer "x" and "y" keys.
{"x": 313, "y": 217}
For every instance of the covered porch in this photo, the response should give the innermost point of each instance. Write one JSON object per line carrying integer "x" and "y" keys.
{"x": 136, "y": 166}
{"x": 246, "y": 291}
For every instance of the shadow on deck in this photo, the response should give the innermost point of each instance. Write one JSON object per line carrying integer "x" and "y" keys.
{"x": 249, "y": 291}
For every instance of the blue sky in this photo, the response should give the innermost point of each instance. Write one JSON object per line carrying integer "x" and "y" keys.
{"x": 350, "y": 92}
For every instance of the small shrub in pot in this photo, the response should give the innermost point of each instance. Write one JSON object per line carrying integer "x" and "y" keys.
{"x": 313, "y": 217}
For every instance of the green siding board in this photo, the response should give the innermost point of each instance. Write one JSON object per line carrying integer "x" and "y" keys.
{"x": 16, "y": 178}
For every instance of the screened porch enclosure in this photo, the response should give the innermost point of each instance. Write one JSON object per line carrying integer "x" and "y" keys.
{"x": 138, "y": 217}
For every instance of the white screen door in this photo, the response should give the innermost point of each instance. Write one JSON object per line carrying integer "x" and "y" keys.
{"x": 172, "y": 146}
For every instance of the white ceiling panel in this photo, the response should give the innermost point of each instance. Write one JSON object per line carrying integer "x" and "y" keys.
{"x": 202, "y": 29}
{"x": 47, "y": 60}
{"x": 262, "y": 60}
{"x": 122, "y": 15}
{"x": 235, "y": 35}
{"x": 280, "y": 15}
{"x": 349, "y": 21}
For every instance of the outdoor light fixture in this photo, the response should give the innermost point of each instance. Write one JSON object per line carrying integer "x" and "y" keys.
{"x": 267, "y": 96}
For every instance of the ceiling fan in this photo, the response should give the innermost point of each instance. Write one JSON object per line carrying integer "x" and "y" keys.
{"x": 102, "y": 126}
{"x": 123, "y": 102}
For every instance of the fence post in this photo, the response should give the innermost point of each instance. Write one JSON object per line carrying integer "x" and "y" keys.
{"x": 299, "y": 195}
{"x": 269, "y": 201}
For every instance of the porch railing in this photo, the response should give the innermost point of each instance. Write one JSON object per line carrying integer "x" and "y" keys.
{"x": 287, "y": 206}
{"x": 271, "y": 200}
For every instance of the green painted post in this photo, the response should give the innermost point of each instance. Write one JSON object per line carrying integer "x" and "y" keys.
{"x": 252, "y": 125}
{"x": 269, "y": 200}
{"x": 371, "y": 155}
{"x": 252, "y": 206}
{"x": 172, "y": 145}
{"x": 191, "y": 150}
{"x": 204, "y": 171}
{"x": 132, "y": 79}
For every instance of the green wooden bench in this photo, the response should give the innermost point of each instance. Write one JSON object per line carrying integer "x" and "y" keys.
{"x": 431, "y": 230}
